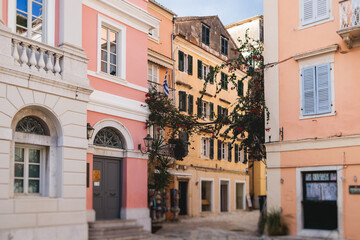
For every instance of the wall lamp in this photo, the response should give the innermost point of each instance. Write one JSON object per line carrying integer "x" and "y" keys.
{"x": 90, "y": 130}
{"x": 148, "y": 142}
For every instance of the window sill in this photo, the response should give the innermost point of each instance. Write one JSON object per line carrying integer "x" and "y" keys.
{"x": 309, "y": 25}
{"x": 318, "y": 116}
{"x": 154, "y": 39}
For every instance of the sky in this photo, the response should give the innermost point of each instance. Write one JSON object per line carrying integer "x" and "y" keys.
{"x": 229, "y": 11}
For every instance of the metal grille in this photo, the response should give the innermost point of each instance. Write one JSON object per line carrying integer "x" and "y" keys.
{"x": 108, "y": 137}
{"x": 31, "y": 125}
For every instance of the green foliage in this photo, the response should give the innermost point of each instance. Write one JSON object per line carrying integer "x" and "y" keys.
{"x": 275, "y": 223}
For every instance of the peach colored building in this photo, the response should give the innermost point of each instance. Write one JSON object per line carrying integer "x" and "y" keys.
{"x": 311, "y": 87}
{"x": 115, "y": 39}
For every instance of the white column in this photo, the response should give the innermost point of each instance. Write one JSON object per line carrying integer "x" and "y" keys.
{"x": 71, "y": 23}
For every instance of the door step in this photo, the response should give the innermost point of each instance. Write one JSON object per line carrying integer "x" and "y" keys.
{"x": 116, "y": 230}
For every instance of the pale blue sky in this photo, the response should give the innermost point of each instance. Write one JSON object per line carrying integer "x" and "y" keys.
{"x": 229, "y": 11}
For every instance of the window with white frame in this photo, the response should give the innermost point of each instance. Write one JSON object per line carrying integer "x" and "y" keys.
{"x": 154, "y": 34}
{"x": 316, "y": 90}
{"x": 205, "y": 147}
{"x": 314, "y": 10}
{"x": 112, "y": 47}
{"x": 185, "y": 62}
{"x": 239, "y": 154}
{"x": 30, "y": 19}
{"x": 222, "y": 150}
{"x": 205, "y": 71}
{"x": 153, "y": 75}
{"x": 205, "y": 109}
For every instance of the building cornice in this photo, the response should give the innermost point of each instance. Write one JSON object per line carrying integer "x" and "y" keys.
{"x": 160, "y": 59}
{"x": 330, "y": 49}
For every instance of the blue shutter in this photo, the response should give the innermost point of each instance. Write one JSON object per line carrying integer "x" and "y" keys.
{"x": 323, "y": 88}
{"x": 308, "y": 91}
{"x": 308, "y": 11}
{"x": 322, "y": 9}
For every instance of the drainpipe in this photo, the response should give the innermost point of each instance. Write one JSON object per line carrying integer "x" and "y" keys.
{"x": 173, "y": 58}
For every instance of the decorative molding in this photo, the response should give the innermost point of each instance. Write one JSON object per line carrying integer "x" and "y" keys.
{"x": 180, "y": 83}
{"x": 125, "y": 12}
{"x": 224, "y": 101}
{"x": 332, "y": 48}
{"x": 314, "y": 143}
{"x": 205, "y": 93}
{"x": 118, "y": 106}
{"x": 117, "y": 80}
{"x": 160, "y": 59}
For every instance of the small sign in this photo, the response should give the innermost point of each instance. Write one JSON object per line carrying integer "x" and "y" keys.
{"x": 97, "y": 184}
{"x": 354, "y": 189}
{"x": 249, "y": 201}
{"x": 96, "y": 175}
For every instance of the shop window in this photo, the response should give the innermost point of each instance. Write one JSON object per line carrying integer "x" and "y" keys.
{"x": 206, "y": 196}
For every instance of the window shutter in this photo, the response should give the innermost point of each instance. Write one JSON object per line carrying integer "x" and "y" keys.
{"x": 229, "y": 152}
{"x": 200, "y": 69}
{"x": 240, "y": 88}
{"x": 219, "y": 110}
{"x": 236, "y": 153}
{"x": 182, "y": 101}
{"x": 181, "y": 61}
{"x": 308, "y": 11}
{"x": 323, "y": 88}
{"x": 190, "y": 65}
{"x": 308, "y": 91}
{"x": 245, "y": 156}
{"x": 199, "y": 107}
{"x": 226, "y": 82}
{"x": 211, "y": 111}
{"x": 322, "y": 9}
{"x": 190, "y": 104}
{"x": 212, "y": 75}
{"x": 219, "y": 150}
{"x": 203, "y": 30}
{"x": 211, "y": 148}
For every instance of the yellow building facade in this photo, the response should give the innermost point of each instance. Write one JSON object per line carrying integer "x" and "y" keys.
{"x": 213, "y": 177}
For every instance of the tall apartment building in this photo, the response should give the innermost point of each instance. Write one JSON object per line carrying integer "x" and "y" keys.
{"x": 254, "y": 28}
{"x": 311, "y": 87}
{"x": 68, "y": 68}
{"x": 213, "y": 177}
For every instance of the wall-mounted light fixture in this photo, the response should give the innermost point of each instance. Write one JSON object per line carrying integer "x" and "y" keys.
{"x": 355, "y": 179}
{"x": 90, "y": 130}
{"x": 282, "y": 181}
{"x": 148, "y": 142}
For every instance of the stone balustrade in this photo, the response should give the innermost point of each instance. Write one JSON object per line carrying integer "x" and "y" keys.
{"x": 37, "y": 56}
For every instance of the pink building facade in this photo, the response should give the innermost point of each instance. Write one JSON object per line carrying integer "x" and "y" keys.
{"x": 68, "y": 67}
{"x": 311, "y": 87}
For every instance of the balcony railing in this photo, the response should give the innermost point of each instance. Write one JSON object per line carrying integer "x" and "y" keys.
{"x": 349, "y": 13}
{"x": 37, "y": 56}
{"x": 350, "y": 22}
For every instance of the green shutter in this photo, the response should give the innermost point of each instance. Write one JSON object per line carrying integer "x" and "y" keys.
{"x": 181, "y": 61}
{"x": 190, "y": 65}
{"x": 219, "y": 110}
{"x": 229, "y": 152}
{"x": 182, "y": 101}
{"x": 236, "y": 152}
{"x": 245, "y": 156}
{"x": 211, "y": 111}
{"x": 211, "y": 148}
{"x": 212, "y": 75}
{"x": 240, "y": 88}
{"x": 200, "y": 69}
{"x": 219, "y": 149}
{"x": 199, "y": 107}
{"x": 190, "y": 104}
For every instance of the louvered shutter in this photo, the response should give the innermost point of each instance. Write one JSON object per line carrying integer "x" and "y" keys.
{"x": 199, "y": 107}
{"x": 211, "y": 148}
{"x": 181, "y": 61}
{"x": 211, "y": 111}
{"x": 308, "y": 91}
{"x": 219, "y": 150}
{"x": 240, "y": 88}
{"x": 190, "y": 104}
{"x": 323, "y": 88}
{"x": 229, "y": 152}
{"x": 182, "y": 101}
{"x": 322, "y": 9}
{"x": 308, "y": 11}
{"x": 190, "y": 65}
{"x": 236, "y": 152}
{"x": 200, "y": 69}
{"x": 245, "y": 156}
{"x": 212, "y": 75}
{"x": 219, "y": 110}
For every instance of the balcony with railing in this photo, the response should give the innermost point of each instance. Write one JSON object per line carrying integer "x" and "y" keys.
{"x": 350, "y": 22}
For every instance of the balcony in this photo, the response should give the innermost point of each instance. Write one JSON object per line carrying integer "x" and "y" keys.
{"x": 350, "y": 22}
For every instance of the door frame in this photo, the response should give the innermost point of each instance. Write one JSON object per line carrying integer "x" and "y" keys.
{"x": 228, "y": 194}
{"x": 244, "y": 194}
{"x": 187, "y": 195}
{"x": 299, "y": 197}
{"x": 104, "y": 158}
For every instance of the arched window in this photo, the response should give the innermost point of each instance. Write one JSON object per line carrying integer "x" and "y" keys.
{"x": 32, "y": 125}
{"x": 109, "y": 137}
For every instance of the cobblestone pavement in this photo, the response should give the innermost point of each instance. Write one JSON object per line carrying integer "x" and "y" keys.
{"x": 230, "y": 226}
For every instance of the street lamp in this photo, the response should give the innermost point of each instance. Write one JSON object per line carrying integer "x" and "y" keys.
{"x": 90, "y": 130}
{"x": 148, "y": 142}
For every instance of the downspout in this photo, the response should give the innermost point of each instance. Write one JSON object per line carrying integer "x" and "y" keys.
{"x": 173, "y": 58}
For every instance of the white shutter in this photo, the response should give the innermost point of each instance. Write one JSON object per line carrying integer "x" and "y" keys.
{"x": 308, "y": 91}
{"x": 323, "y": 88}
{"x": 322, "y": 9}
{"x": 308, "y": 11}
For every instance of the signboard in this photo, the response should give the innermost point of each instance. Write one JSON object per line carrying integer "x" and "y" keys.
{"x": 354, "y": 189}
{"x": 248, "y": 201}
{"x": 96, "y": 177}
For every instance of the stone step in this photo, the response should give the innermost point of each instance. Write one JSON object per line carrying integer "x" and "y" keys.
{"x": 105, "y": 231}
{"x": 123, "y": 236}
{"x": 111, "y": 223}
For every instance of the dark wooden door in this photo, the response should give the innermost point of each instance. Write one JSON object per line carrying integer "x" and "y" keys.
{"x": 107, "y": 192}
{"x": 183, "y": 189}
{"x": 224, "y": 197}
